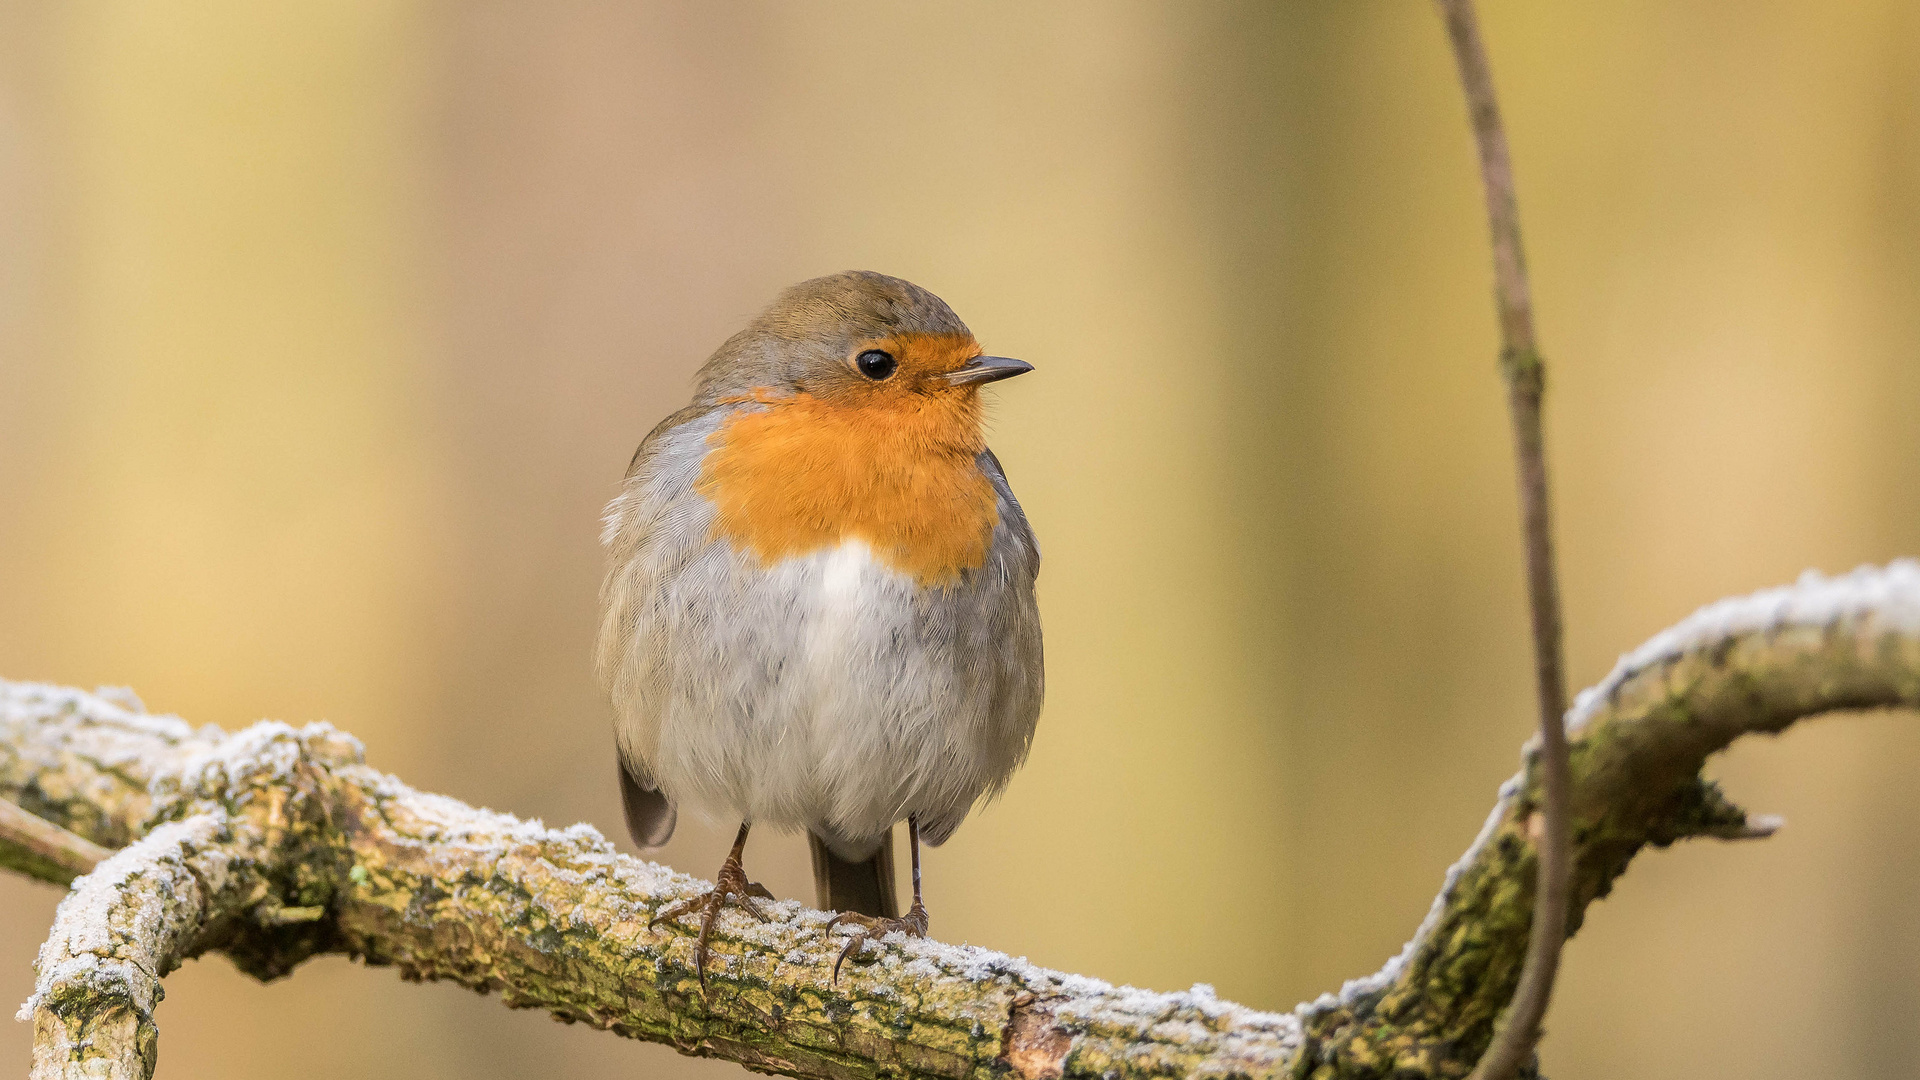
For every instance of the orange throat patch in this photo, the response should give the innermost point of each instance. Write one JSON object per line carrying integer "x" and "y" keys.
{"x": 804, "y": 474}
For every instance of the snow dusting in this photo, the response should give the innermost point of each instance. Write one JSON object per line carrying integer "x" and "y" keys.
{"x": 1890, "y": 595}
{"x": 124, "y": 923}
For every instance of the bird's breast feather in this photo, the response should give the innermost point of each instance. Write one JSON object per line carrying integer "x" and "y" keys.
{"x": 797, "y": 475}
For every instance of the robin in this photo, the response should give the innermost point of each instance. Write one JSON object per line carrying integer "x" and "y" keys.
{"x": 818, "y": 611}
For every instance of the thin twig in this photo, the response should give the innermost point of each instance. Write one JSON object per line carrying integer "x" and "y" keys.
{"x": 57, "y": 854}
{"x": 1526, "y": 380}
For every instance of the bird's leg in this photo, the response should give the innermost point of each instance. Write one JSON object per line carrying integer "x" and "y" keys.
{"x": 913, "y": 923}
{"x": 730, "y": 885}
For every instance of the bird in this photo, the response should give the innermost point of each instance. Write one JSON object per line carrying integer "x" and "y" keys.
{"x": 819, "y": 610}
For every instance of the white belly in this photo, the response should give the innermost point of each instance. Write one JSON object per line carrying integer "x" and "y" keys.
{"x": 837, "y": 696}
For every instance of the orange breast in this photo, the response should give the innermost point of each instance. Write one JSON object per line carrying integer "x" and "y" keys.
{"x": 802, "y": 475}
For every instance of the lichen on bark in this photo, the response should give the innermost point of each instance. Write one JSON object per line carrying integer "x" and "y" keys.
{"x": 1639, "y": 741}
{"x": 318, "y": 852}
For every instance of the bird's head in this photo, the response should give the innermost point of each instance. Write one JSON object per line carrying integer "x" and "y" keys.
{"x": 855, "y": 338}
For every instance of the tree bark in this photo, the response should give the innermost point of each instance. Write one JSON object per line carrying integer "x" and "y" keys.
{"x": 274, "y": 844}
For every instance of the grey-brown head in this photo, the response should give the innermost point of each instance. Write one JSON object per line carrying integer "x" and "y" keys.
{"x": 851, "y": 335}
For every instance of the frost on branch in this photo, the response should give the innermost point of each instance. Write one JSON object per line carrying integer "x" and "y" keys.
{"x": 129, "y": 923}
{"x": 1639, "y": 740}
{"x": 274, "y": 844}
{"x": 322, "y": 853}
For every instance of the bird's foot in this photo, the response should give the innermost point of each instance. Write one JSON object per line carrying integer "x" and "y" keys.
{"x": 730, "y": 886}
{"x": 912, "y": 924}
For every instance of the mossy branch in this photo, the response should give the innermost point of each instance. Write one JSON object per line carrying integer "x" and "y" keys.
{"x": 275, "y": 844}
{"x": 1638, "y": 742}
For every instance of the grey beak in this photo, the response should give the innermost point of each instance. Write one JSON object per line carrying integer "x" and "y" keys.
{"x": 986, "y": 369}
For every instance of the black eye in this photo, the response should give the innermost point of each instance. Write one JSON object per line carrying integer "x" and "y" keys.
{"x": 875, "y": 364}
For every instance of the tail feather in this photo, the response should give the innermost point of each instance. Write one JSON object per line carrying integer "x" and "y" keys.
{"x": 865, "y": 887}
{"x": 650, "y": 817}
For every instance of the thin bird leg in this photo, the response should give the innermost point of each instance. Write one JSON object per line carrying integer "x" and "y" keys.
{"x": 913, "y": 923}
{"x": 730, "y": 885}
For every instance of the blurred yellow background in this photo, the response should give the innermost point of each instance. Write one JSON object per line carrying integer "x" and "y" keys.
{"x": 326, "y": 330}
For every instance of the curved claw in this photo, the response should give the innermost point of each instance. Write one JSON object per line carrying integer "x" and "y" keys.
{"x": 858, "y": 940}
{"x": 913, "y": 924}
{"x": 731, "y": 886}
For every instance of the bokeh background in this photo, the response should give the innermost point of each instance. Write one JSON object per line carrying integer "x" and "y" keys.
{"x": 326, "y": 330}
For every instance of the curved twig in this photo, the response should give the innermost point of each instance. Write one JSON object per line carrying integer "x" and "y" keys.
{"x": 1525, "y": 373}
{"x": 1639, "y": 739}
{"x": 312, "y": 851}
